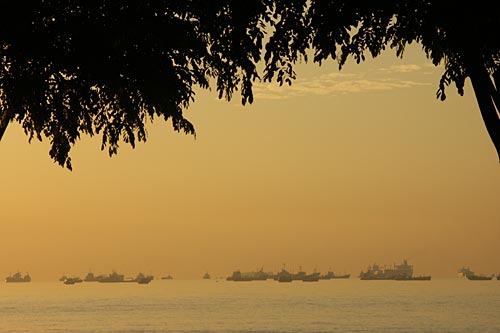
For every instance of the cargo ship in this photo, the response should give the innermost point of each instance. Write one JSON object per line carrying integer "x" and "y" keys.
{"x": 90, "y": 277}
{"x": 120, "y": 278}
{"x": 258, "y": 275}
{"x": 401, "y": 272}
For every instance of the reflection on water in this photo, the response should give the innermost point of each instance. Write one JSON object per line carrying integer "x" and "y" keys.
{"x": 440, "y": 305}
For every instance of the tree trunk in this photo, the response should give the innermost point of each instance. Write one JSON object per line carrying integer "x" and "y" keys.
{"x": 486, "y": 95}
{"x": 4, "y": 121}
{"x": 496, "y": 88}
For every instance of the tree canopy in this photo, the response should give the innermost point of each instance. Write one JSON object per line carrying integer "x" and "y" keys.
{"x": 108, "y": 67}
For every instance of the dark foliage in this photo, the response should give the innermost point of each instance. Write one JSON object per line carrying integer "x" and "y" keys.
{"x": 108, "y": 67}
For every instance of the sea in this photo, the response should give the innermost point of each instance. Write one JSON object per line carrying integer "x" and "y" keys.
{"x": 210, "y": 306}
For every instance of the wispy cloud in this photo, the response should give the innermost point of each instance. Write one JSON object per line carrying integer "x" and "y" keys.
{"x": 335, "y": 84}
{"x": 402, "y": 68}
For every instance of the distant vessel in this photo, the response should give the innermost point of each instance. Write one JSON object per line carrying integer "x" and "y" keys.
{"x": 143, "y": 279}
{"x": 284, "y": 276}
{"x": 314, "y": 277}
{"x": 237, "y": 276}
{"x": 402, "y": 272}
{"x": 72, "y": 280}
{"x": 114, "y": 277}
{"x": 414, "y": 278}
{"x": 168, "y": 277}
{"x": 206, "y": 276}
{"x": 470, "y": 275}
{"x": 300, "y": 275}
{"x": 331, "y": 275}
{"x": 90, "y": 277}
{"x": 479, "y": 277}
{"x": 259, "y": 275}
{"x": 17, "y": 277}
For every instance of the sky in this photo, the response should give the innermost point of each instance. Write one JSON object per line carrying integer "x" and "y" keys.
{"x": 341, "y": 170}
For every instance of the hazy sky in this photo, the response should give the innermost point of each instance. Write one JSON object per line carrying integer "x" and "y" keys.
{"x": 340, "y": 170}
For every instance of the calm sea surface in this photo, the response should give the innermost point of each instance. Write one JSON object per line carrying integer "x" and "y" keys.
{"x": 440, "y": 305}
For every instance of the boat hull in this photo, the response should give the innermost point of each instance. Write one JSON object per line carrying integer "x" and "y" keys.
{"x": 415, "y": 278}
{"x": 479, "y": 278}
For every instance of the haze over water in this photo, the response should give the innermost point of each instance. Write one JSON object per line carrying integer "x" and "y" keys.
{"x": 340, "y": 169}
{"x": 441, "y": 305}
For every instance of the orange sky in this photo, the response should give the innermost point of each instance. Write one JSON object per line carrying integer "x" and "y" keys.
{"x": 340, "y": 170}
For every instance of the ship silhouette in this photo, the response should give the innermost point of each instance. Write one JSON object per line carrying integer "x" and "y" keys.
{"x": 470, "y": 275}
{"x": 17, "y": 277}
{"x": 401, "y": 272}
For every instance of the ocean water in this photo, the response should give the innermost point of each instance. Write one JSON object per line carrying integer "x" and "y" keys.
{"x": 440, "y": 305}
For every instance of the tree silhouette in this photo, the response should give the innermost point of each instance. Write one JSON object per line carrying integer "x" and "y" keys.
{"x": 462, "y": 36}
{"x": 108, "y": 67}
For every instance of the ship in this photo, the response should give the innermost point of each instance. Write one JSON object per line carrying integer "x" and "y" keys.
{"x": 72, "y": 280}
{"x": 143, "y": 279}
{"x": 284, "y": 276}
{"x": 258, "y": 275}
{"x": 114, "y": 278}
{"x": 314, "y": 277}
{"x": 402, "y": 272}
{"x": 414, "y": 278}
{"x": 341, "y": 276}
{"x": 300, "y": 275}
{"x": 238, "y": 276}
{"x": 17, "y": 277}
{"x": 90, "y": 277}
{"x": 331, "y": 275}
{"x": 120, "y": 278}
{"x": 206, "y": 276}
{"x": 470, "y": 275}
{"x": 167, "y": 277}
